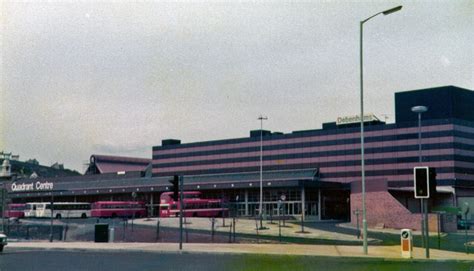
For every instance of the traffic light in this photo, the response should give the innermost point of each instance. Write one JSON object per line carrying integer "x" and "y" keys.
{"x": 175, "y": 188}
{"x": 425, "y": 182}
{"x": 421, "y": 182}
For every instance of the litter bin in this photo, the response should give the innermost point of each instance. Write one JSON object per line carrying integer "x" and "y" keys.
{"x": 101, "y": 233}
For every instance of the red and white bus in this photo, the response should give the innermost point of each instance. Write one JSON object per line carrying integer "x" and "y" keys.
{"x": 59, "y": 209}
{"x": 16, "y": 210}
{"x": 194, "y": 205}
{"x": 118, "y": 209}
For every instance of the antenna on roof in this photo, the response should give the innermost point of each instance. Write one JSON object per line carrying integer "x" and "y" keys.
{"x": 85, "y": 165}
{"x": 385, "y": 117}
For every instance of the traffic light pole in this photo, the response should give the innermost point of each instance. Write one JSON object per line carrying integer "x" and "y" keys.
{"x": 424, "y": 203}
{"x": 427, "y": 237}
{"x": 181, "y": 212}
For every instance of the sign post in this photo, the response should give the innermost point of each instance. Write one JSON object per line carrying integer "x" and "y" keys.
{"x": 279, "y": 220}
{"x": 134, "y": 197}
{"x": 465, "y": 211}
{"x": 357, "y": 213}
{"x": 283, "y": 198}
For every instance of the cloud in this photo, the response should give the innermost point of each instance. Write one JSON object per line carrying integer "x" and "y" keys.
{"x": 117, "y": 78}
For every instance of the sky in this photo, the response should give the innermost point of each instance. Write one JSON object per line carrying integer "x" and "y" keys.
{"x": 84, "y": 77}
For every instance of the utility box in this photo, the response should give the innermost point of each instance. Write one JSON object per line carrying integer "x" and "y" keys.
{"x": 406, "y": 239}
{"x": 101, "y": 233}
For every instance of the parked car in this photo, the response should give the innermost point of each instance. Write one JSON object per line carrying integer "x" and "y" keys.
{"x": 3, "y": 241}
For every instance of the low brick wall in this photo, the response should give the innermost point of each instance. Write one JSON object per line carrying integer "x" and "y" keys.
{"x": 385, "y": 210}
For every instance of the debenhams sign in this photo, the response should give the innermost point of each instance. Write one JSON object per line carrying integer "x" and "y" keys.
{"x": 33, "y": 186}
{"x": 355, "y": 119}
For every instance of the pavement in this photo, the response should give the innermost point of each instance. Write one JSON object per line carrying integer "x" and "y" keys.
{"x": 385, "y": 252}
{"x": 248, "y": 226}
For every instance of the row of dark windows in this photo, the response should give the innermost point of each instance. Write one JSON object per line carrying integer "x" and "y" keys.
{"x": 319, "y": 144}
{"x": 436, "y": 146}
{"x": 290, "y": 167}
{"x": 378, "y": 161}
{"x": 202, "y": 205}
{"x": 320, "y": 132}
{"x": 118, "y": 206}
{"x": 69, "y": 207}
{"x": 375, "y": 173}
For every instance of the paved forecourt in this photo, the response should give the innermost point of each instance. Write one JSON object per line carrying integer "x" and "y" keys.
{"x": 388, "y": 252}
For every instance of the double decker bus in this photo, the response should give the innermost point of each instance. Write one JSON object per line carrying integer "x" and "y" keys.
{"x": 60, "y": 209}
{"x": 193, "y": 205}
{"x": 114, "y": 209}
{"x": 15, "y": 210}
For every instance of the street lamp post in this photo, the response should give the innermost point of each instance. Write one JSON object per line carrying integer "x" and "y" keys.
{"x": 261, "y": 118}
{"x": 364, "y": 220}
{"x": 424, "y": 204}
{"x": 3, "y": 192}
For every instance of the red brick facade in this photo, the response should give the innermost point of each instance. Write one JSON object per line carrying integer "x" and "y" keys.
{"x": 383, "y": 209}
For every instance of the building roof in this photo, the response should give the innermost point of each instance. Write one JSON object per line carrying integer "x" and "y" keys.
{"x": 113, "y": 183}
{"x": 100, "y": 164}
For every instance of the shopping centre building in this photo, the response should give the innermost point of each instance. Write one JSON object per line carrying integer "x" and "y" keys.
{"x": 317, "y": 172}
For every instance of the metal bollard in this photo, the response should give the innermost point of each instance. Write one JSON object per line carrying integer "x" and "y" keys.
{"x": 256, "y": 228}
{"x": 279, "y": 229}
{"x": 233, "y": 228}
{"x": 111, "y": 234}
{"x": 213, "y": 221}
{"x": 186, "y": 232}
{"x": 157, "y": 230}
{"x": 65, "y": 228}
{"x": 123, "y": 231}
